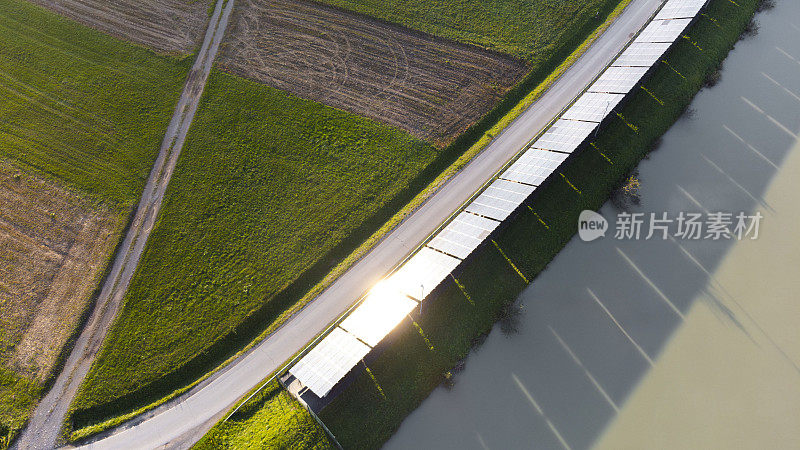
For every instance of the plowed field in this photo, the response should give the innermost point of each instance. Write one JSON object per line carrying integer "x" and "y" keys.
{"x": 172, "y": 26}
{"x": 53, "y": 248}
{"x": 431, "y": 87}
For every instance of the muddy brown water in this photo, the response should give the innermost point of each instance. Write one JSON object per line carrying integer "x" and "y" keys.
{"x": 601, "y": 358}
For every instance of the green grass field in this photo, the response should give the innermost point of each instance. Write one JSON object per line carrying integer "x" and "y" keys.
{"x": 86, "y": 109}
{"x": 408, "y": 371}
{"x": 18, "y": 396}
{"x": 81, "y": 106}
{"x": 529, "y": 29}
{"x": 271, "y": 419}
{"x": 268, "y": 185}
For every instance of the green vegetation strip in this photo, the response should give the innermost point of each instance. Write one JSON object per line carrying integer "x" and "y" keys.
{"x": 81, "y": 106}
{"x": 530, "y": 30}
{"x": 240, "y": 279}
{"x": 272, "y": 419}
{"x": 361, "y": 417}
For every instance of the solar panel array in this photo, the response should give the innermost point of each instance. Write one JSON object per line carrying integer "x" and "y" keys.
{"x": 681, "y": 9}
{"x": 667, "y": 30}
{"x": 378, "y": 315}
{"x": 593, "y": 106}
{"x": 463, "y": 235}
{"x": 642, "y": 54}
{"x": 534, "y": 166}
{"x": 618, "y": 80}
{"x": 329, "y": 361}
{"x": 393, "y": 299}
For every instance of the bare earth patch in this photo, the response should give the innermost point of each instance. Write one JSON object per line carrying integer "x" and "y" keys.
{"x": 431, "y": 87}
{"x": 53, "y": 248}
{"x": 170, "y": 26}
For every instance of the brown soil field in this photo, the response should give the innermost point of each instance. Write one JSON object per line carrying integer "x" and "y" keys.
{"x": 431, "y": 87}
{"x": 54, "y": 246}
{"x": 169, "y": 26}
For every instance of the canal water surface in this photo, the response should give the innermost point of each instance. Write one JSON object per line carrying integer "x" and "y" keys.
{"x": 662, "y": 343}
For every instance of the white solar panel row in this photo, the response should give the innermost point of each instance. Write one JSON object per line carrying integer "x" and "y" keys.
{"x": 565, "y": 135}
{"x": 423, "y": 272}
{"x": 463, "y": 235}
{"x": 663, "y": 30}
{"x": 329, "y": 361}
{"x": 593, "y": 106}
{"x": 500, "y": 199}
{"x": 534, "y": 166}
{"x": 379, "y": 314}
{"x": 619, "y": 80}
{"x": 680, "y": 9}
{"x": 388, "y": 304}
{"x": 642, "y": 54}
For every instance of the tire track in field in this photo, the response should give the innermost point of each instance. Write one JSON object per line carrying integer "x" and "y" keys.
{"x": 43, "y": 429}
{"x": 431, "y": 87}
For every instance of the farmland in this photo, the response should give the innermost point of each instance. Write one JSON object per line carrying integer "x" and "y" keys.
{"x": 433, "y": 88}
{"x": 80, "y": 106}
{"x": 267, "y": 188}
{"x": 53, "y": 249}
{"x": 81, "y": 120}
{"x": 531, "y": 30}
{"x": 168, "y": 26}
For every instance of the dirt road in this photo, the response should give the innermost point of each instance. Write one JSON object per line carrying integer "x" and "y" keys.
{"x": 43, "y": 428}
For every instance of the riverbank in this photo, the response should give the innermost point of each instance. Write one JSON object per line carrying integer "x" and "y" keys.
{"x": 409, "y": 369}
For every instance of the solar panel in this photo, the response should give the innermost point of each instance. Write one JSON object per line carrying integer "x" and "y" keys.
{"x": 509, "y": 191}
{"x": 618, "y": 80}
{"x": 534, "y": 166}
{"x": 593, "y": 106}
{"x": 423, "y": 272}
{"x": 565, "y": 135}
{"x": 383, "y": 309}
{"x": 680, "y": 9}
{"x": 663, "y": 30}
{"x": 463, "y": 235}
{"x": 500, "y": 199}
{"x": 329, "y": 361}
{"x": 642, "y": 54}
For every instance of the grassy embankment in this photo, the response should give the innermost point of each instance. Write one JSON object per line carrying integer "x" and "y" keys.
{"x": 84, "y": 109}
{"x": 271, "y": 193}
{"x": 407, "y": 370}
{"x": 271, "y": 419}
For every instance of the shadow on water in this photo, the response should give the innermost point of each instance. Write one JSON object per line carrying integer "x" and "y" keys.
{"x": 597, "y": 319}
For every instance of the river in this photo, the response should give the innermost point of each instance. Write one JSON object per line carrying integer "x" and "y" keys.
{"x": 675, "y": 343}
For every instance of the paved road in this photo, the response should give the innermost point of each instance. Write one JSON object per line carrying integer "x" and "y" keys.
{"x": 43, "y": 428}
{"x": 180, "y": 422}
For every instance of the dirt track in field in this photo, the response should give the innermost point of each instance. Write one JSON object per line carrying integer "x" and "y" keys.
{"x": 170, "y": 26}
{"x": 433, "y": 88}
{"x": 53, "y": 247}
